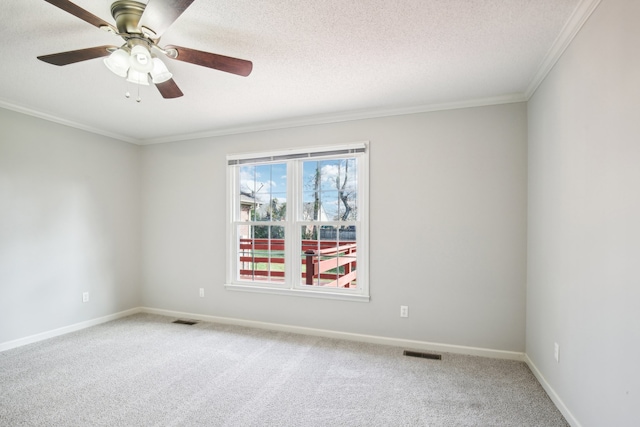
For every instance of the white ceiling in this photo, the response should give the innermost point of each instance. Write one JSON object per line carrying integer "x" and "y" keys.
{"x": 313, "y": 62}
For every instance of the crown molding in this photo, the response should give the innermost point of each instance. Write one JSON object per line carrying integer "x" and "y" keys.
{"x": 278, "y": 124}
{"x": 55, "y": 119}
{"x": 341, "y": 117}
{"x": 578, "y": 18}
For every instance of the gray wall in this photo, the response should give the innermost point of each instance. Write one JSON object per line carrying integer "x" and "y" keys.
{"x": 447, "y": 222}
{"x": 69, "y": 223}
{"x": 80, "y": 212}
{"x": 584, "y": 221}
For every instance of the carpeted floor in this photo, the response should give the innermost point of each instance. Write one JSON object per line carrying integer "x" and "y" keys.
{"x": 144, "y": 370}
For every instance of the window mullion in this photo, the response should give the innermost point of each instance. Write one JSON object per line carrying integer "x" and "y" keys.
{"x": 233, "y": 264}
{"x": 292, "y": 242}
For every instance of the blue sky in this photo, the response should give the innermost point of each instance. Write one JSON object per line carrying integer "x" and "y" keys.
{"x": 269, "y": 181}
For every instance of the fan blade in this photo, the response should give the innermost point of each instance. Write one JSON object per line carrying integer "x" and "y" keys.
{"x": 158, "y": 15}
{"x": 237, "y": 66}
{"x": 79, "y": 12}
{"x": 73, "y": 56}
{"x": 169, "y": 89}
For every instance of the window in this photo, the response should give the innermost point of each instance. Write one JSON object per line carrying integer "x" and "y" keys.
{"x": 298, "y": 222}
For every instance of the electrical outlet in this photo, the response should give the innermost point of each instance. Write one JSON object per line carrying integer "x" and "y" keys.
{"x": 404, "y": 311}
{"x": 85, "y": 297}
{"x": 556, "y": 352}
{"x": 201, "y": 292}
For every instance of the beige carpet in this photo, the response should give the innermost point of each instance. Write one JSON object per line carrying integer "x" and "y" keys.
{"x": 144, "y": 370}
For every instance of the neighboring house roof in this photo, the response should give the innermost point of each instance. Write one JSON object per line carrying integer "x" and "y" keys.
{"x": 247, "y": 199}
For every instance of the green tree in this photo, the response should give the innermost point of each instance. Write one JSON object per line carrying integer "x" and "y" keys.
{"x": 275, "y": 211}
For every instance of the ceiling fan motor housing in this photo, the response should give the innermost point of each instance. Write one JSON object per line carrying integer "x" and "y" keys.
{"x": 127, "y": 15}
{"x": 141, "y": 26}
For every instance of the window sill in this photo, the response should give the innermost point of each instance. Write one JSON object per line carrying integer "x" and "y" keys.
{"x": 298, "y": 292}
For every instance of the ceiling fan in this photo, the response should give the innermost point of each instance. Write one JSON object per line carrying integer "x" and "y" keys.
{"x": 141, "y": 26}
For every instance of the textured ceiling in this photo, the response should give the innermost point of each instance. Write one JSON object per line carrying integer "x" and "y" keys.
{"x": 313, "y": 61}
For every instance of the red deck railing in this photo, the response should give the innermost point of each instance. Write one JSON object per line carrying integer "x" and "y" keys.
{"x": 318, "y": 256}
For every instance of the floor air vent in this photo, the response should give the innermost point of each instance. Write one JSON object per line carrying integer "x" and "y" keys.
{"x": 422, "y": 355}
{"x": 185, "y": 322}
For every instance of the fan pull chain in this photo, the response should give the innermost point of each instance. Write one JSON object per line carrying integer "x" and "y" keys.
{"x": 127, "y": 94}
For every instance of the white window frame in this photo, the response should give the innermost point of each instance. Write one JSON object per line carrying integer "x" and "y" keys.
{"x": 293, "y": 267}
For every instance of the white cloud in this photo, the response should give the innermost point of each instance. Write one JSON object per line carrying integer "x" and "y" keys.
{"x": 329, "y": 173}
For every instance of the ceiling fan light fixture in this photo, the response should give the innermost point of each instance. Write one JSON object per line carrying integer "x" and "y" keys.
{"x": 160, "y": 73}
{"x": 141, "y": 25}
{"x": 137, "y": 77}
{"x": 118, "y": 62}
{"x": 140, "y": 59}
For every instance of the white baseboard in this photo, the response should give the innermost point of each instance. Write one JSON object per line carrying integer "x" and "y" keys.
{"x": 396, "y": 342}
{"x": 373, "y": 339}
{"x": 552, "y": 393}
{"x": 66, "y": 329}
